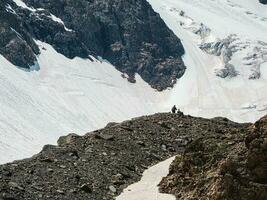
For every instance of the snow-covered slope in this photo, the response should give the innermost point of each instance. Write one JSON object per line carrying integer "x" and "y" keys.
{"x": 79, "y": 95}
{"x": 64, "y": 96}
{"x": 234, "y": 34}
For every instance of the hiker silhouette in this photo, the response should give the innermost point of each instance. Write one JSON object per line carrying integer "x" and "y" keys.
{"x": 174, "y": 109}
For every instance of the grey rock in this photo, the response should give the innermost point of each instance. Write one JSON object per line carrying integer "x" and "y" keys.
{"x": 86, "y": 188}
{"x": 164, "y": 147}
{"x": 129, "y": 34}
{"x": 95, "y": 172}
{"x": 15, "y": 185}
{"x": 16, "y": 44}
{"x": 225, "y": 49}
{"x": 104, "y": 136}
{"x": 227, "y": 71}
{"x": 60, "y": 191}
{"x": 64, "y": 140}
{"x": 112, "y": 189}
{"x": 117, "y": 179}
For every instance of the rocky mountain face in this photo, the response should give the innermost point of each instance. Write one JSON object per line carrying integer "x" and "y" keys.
{"x": 17, "y": 45}
{"x": 129, "y": 34}
{"x": 230, "y": 167}
{"x": 217, "y": 159}
{"x": 263, "y": 1}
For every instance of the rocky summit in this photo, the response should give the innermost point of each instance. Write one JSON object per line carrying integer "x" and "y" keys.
{"x": 217, "y": 159}
{"x": 127, "y": 33}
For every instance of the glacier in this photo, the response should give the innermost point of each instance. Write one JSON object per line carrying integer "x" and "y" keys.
{"x": 64, "y": 96}
{"x": 200, "y": 92}
{"x": 78, "y": 95}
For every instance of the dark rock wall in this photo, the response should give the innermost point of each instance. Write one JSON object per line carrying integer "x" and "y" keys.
{"x": 128, "y": 33}
{"x": 263, "y": 1}
{"x": 16, "y": 44}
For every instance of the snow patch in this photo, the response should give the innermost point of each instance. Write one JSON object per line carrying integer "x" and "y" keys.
{"x": 147, "y": 187}
{"x": 10, "y": 9}
{"x": 20, "y": 3}
{"x": 58, "y": 20}
{"x": 53, "y": 17}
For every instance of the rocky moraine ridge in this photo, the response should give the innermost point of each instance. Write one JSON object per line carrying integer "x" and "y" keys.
{"x": 128, "y": 33}
{"x": 233, "y": 167}
{"x": 217, "y": 159}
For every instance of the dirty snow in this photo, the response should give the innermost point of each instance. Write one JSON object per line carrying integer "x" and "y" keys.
{"x": 147, "y": 187}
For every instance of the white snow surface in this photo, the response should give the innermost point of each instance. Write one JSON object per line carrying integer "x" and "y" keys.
{"x": 147, "y": 187}
{"x": 200, "y": 92}
{"x": 58, "y": 20}
{"x": 78, "y": 95}
{"x": 64, "y": 96}
{"x": 23, "y": 5}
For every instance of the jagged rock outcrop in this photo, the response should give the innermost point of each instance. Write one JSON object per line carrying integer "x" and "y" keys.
{"x": 16, "y": 44}
{"x": 127, "y": 33}
{"x": 225, "y": 49}
{"x": 231, "y": 167}
{"x": 99, "y": 165}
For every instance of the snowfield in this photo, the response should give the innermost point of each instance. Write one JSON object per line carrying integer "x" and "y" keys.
{"x": 200, "y": 91}
{"x": 78, "y": 95}
{"x": 64, "y": 96}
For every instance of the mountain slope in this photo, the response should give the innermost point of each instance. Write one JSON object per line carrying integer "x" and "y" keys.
{"x": 127, "y": 33}
{"x": 99, "y": 165}
{"x": 76, "y": 92}
{"x": 64, "y": 96}
{"x": 229, "y": 169}
{"x": 226, "y": 54}
{"x": 61, "y": 94}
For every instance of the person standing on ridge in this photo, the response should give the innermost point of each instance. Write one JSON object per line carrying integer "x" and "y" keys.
{"x": 174, "y": 109}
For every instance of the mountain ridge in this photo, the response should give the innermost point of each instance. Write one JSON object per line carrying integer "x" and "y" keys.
{"x": 100, "y": 164}
{"x": 221, "y": 38}
{"x": 230, "y": 170}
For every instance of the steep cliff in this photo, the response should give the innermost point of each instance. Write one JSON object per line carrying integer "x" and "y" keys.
{"x": 129, "y": 34}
